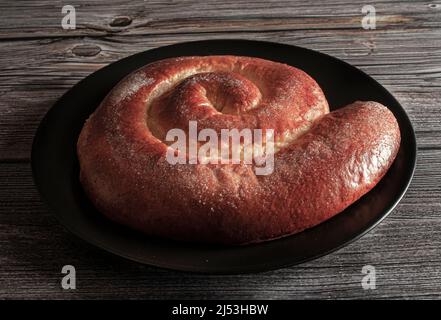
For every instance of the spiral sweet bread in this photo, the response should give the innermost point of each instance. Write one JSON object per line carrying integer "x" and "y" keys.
{"x": 321, "y": 162}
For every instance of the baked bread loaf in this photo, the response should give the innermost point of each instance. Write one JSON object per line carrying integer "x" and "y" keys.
{"x": 323, "y": 161}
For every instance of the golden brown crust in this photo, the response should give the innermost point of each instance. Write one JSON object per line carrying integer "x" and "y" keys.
{"x": 324, "y": 161}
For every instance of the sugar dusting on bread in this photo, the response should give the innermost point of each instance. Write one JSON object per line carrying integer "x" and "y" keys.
{"x": 323, "y": 161}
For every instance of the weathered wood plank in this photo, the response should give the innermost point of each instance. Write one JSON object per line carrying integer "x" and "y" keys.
{"x": 97, "y": 18}
{"x": 405, "y": 249}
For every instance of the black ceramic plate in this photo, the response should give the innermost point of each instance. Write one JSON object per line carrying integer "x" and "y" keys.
{"x": 55, "y": 166}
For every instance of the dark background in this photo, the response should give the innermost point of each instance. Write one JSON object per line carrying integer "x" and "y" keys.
{"x": 39, "y": 61}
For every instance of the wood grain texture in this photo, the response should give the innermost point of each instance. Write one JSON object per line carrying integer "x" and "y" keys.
{"x": 39, "y": 61}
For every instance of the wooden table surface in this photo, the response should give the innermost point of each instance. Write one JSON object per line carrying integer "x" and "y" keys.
{"x": 39, "y": 61}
